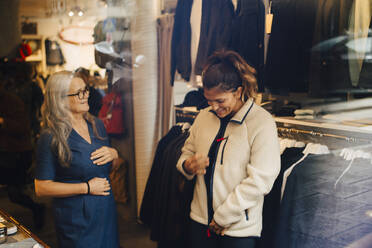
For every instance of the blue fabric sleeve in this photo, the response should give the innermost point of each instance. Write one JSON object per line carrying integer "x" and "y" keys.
{"x": 46, "y": 161}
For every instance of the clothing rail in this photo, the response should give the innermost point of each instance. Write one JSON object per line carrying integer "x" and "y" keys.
{"x": 283, "y": 130}
{"x": 335, "y": 136}
{"x": 185, "y": 114}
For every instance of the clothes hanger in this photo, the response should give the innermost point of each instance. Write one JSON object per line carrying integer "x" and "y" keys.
{"x": 350, "y": 154}
{"x": 311, "y": 148}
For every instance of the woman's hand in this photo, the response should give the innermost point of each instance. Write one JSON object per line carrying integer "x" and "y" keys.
{"x": 103, "y": 155}
{"x": 99, "y": 186}
{"x": 219, "y": 230}
{"x": 197, "y": 164}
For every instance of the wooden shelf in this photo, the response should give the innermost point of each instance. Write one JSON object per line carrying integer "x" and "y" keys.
{"x": 38, "y": 56}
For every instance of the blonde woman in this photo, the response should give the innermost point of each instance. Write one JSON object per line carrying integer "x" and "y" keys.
{"x": 73, "y": 164}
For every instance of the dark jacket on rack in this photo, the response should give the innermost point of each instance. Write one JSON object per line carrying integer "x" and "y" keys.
{"x": 166, "y": 201}
{"x": 287, "y": 66}
{"x": 215, "y": 34}
{"x": 271, "y": 206}
{"x": 248, "y": 32}
{"x": 329, "y": 67}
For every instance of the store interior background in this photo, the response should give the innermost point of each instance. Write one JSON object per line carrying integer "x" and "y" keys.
{"x": 141, "y": 92}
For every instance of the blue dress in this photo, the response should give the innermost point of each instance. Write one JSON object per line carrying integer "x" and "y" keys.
{"x": 81, "y": 220}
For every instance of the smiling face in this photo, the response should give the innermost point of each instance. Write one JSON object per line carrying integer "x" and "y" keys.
{"x": 223, "y": 102}
{"x": 76, "y": 105}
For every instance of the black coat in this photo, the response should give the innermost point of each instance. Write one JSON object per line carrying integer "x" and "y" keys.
{"x": 166, "y": 202}
{"x": 288, "y": 58}
{"x": 248, "y": 33}
{"x": 329, "y": 70}
{"x": 215, "y": 34}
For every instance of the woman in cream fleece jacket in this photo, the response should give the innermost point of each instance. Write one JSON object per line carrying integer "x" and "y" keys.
{"x": 233, "y": 151}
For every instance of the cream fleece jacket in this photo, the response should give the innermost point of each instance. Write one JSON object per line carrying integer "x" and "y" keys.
{"x": 247, "y": 164}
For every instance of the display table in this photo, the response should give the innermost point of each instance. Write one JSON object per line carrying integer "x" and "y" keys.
{"x": 23, "y": 237}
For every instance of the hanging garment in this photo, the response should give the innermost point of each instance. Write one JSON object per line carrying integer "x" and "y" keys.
{"x": 329, "y": 67}
{"x": 94, "y": 101}
{"x": 314, "y": 213}
{"x": 146, "y": 212}
{"x": 288, "y": 58}
{"x": 365, "y": 76}
{"x": 248, "y": 34}
{"x": 195, "y": 22}
{"x": 268, "y": 24}
{"x": 165, "y": 115}
{"x": 309, "y": 149}
{"x": 215, "y": 34}
{"x": 166, "y": 201}
{"x": 111, "y": 113}
{"x": 195, "y": 98}
{"x": 360, "y": 20}
{"x": 271, "y": 206}
{"x": 54, "y": 55}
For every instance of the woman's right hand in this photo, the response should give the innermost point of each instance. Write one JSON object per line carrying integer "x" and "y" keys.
{"x": 99, "y": 186}
{"x": 197, "y": 164}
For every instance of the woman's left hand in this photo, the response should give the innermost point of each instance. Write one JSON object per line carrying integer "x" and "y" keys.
{"x": 103, "y": 155}
{"x": 219, "y": 230}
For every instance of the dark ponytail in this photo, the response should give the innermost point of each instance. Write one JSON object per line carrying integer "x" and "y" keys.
{"x": 228, "y": 70}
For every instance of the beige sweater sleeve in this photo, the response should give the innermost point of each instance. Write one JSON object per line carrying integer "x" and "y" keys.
{"x": 188, "y": 150}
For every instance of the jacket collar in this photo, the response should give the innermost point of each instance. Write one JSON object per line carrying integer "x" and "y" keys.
{"x": 240, "y": 116}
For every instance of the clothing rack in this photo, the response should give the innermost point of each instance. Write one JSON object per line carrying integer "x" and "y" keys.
{"x": 334, "y": 135}
{"x": 185, "y": 114}
{"x": 283, "y": 130}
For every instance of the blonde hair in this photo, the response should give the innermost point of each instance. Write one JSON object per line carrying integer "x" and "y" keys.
{"x": 56, "y": 115}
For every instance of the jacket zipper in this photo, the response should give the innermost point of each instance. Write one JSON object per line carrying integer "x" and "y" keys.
{"x": 223, "y": 149}
{"x": 211, "y": 183}
{"x": 220, "y": 133}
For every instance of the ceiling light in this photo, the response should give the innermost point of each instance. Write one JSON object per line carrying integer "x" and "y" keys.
{"x": 76, "y": 11}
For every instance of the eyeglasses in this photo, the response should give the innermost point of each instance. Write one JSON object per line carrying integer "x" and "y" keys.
{"x": 81, "y": 94}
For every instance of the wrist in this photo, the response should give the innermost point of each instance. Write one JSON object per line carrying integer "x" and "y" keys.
{"x": 85, "y": 188}
{"x": 115, "y": 153}
{"x": 186, "y": 170}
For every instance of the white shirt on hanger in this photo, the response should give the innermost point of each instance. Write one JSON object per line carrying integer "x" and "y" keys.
{"x": 310, "y": 148}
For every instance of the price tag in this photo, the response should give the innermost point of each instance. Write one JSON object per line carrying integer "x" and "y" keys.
{"x": 269, "y": 22}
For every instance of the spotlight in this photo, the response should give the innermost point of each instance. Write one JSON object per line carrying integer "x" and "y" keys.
{"x": 76, "y": 10}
